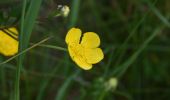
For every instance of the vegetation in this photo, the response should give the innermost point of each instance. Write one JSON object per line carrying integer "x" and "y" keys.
{"x": 134, "y": 37}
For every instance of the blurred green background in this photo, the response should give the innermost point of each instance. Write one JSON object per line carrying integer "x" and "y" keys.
{"x": 134, "y": 37}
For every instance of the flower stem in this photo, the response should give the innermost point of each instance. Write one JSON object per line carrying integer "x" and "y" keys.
{"x": 53, "y": 47}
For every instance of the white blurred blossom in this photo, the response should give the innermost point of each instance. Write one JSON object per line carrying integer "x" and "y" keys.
{"x": 111, "y": 84}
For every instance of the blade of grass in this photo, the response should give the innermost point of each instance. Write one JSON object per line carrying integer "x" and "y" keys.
{"x": 27, "y": 24}
{"x": 3, "y": 80}
{"x": 158, "y": 48}
{"x": 46, "y": 81}
{"x": 62, "y": 91}
{"x": 136, "y": 54}
{"x": 30, "y": 20}
{"x": 74, "y": 13}
{"x": 122, "y": 68}
{"x": 24, "y": 51}
{"x": 19, "y": 64}
{"x": 157, "y": 13}
{"x": 122, "y": 49}
{"x": 53, "y": 47}
{"x": 109, "y": 63}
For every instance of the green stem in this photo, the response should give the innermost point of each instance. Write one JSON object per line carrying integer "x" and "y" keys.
{"x": 3, "y": 80}
{"x": 24, "y": 51}
{"x": 20, "y": 61}
{"x": 53, "y": 47}
{"x": 102, "y": 95}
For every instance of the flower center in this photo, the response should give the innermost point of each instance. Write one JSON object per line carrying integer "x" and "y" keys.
{"x": 77, "y": 50}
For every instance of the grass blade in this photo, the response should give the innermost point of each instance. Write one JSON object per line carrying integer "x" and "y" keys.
{"x": 20, "y": 61}
{"x": 27, "y": 24}
{"x": 64, "y": 87}
{"x": 24, "y": 51}
{"x": 74, "y": 13}
{"x": 122, "y": 68}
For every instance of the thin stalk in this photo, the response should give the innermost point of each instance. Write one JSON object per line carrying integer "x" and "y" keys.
{"x": 74, "y": 14}
{"x": 20, "y": 61}
{"x": 24, "y": 51}
{"x": 123, "y": 68}
{"x": 53, "y": 47}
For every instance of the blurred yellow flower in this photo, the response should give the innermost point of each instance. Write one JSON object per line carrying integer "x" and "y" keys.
{"x": 84, "y": 52}
{"x": 8, "y": 41}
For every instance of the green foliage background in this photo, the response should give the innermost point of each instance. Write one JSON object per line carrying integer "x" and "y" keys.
{"x": 134, "y": 36}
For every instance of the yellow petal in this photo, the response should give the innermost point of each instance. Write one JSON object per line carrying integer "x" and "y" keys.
{"x": 8, "y": 45}
{"x": 93, "y": 55}
{"x": 71, "y": 52}
{"x": 76, "y": 55}
{"x": 90, "y": 40}
{"x": 81, "y": 62}
{"x": 13, "y": 29}
{"x": 73, "y": 36}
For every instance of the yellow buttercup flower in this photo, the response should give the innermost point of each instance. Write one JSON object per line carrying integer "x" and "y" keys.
{"x": 84, "y": 52}
{"x": 8, "y": 41}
